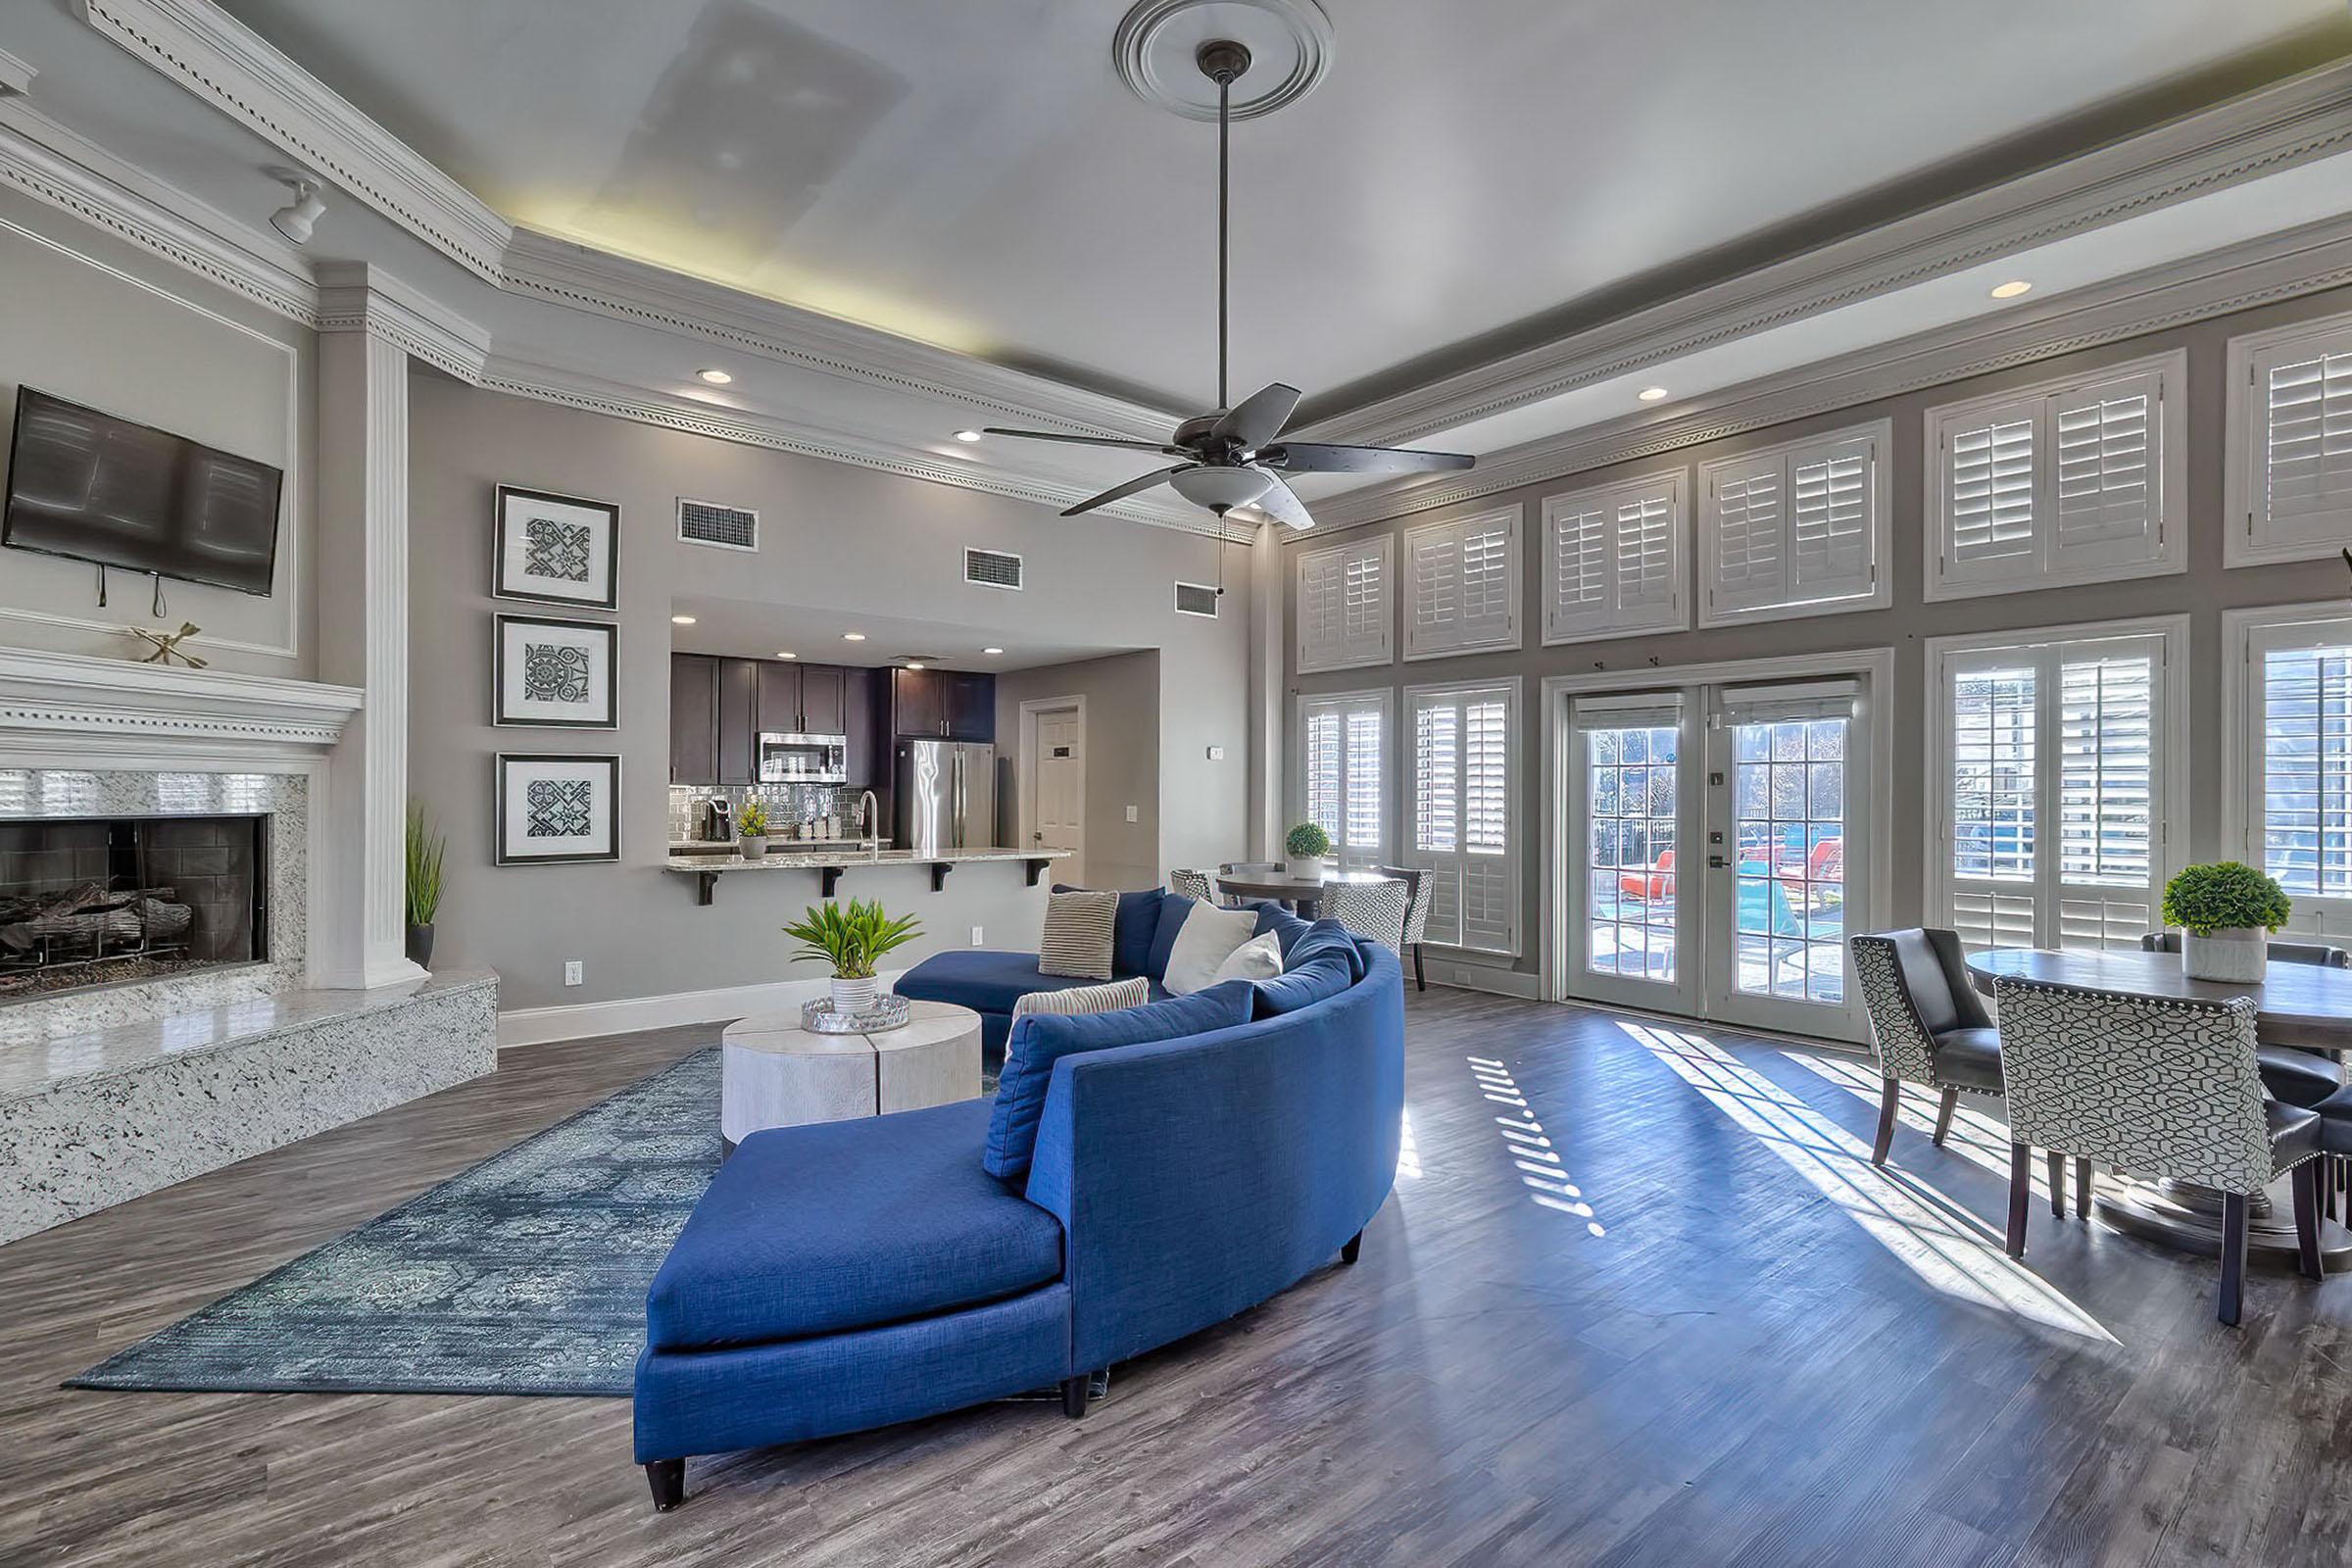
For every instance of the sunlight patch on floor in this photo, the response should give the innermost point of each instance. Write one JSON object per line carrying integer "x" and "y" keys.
{"x": 1538, "y": 1163}
{"x": 1944, "y": 1243}
{"x": 1974, "y": 1136}
{"x": 1409, "y": 1152}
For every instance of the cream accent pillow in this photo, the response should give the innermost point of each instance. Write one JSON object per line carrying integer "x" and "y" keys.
{"x": 1076, "y": 943}
{"x": 1128, "y": 993}
{"x": 1258, "y": 959}
{"x": 1205, "y": 940}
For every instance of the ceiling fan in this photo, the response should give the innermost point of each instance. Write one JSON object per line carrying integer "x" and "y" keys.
{"x": 1235, "y": 456}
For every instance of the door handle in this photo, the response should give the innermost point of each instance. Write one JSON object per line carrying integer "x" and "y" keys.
{"x": 1715, "y": 862}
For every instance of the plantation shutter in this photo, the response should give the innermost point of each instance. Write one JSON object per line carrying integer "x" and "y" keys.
{"x": 1990, "y": 494}
{"x": 1462, "y": 585}
{"x": 2109, "y": 844}
{"x": 2306, "y": 791}
{"x": 2107, "y": 484}
{"x": 1795, "y": 530}
{"x": 2299, "y": 500}
{"x": 1832, "y": 522}
{"x": 1613, "y": 560}
{"x": 1344, "y": 606}
{"x": 1750, "y": 565}
{"x": 1463, "y": 748}
{"x": 1343, "y": 773}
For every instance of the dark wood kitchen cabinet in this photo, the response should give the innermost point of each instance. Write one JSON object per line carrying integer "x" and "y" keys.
{"x": 739, "y": 720}
{"x": 968, "y": 704}
{"x": 779, "y": 698}
{"x": 862, "y": 728}
{"x": 720, "y": 708}
{"x": 693, "y": 718}
{"x": 823, "y": 710}
{"x": 916, "y": 703}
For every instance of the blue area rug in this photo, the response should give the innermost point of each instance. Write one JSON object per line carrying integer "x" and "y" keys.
{"x": 525, "y": 1275}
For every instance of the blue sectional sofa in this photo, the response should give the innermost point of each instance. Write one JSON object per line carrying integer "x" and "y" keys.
{"x": 856, "y": 1273}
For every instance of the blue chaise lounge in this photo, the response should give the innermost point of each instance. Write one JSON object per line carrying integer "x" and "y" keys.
{"x": 853, "y": 1274}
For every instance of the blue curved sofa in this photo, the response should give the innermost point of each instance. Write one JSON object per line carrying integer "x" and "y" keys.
{"x": 853, "y": 1274}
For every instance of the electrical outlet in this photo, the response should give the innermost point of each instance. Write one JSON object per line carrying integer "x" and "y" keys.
{"x": 1131, "y": 813}
{"x": 574, "y": 971}
{"x": 975, "y": 936}
{"x": 1216, "y": 754}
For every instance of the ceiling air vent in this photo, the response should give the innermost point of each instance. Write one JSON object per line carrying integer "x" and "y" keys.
{"x": 992, "y": 568}
{"x": 1195, "y": 599}
{"x": 704, "y": 522}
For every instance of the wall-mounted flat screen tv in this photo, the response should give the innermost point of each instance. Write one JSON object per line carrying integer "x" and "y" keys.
{"x": 85, "y": 484}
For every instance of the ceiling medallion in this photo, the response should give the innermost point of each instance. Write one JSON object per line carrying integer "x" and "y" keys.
{"x": 1290, "y": 44}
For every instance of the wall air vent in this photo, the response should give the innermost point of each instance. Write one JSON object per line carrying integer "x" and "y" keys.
{"x": 1195, "y": 599}
{"x": 992, "y": 568}
{"x": 704, "y": 522}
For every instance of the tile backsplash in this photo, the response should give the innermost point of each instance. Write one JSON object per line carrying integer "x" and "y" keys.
{"x": 788, "y": 807}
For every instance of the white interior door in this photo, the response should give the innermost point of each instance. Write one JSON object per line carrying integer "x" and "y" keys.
{"x": 1057, "y": 794}
{"x": 1630, "y": 938}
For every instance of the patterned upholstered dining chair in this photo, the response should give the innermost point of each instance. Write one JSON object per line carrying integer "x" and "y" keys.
{"x": 1373, "y": 911}
{"x": 2297, "y": 1074}
{"x": 2158, "y": 1086}
{"x": 1928, "y": 1026}
{"x": 1193, "y": 884}
{"x": 1416, "y": 880}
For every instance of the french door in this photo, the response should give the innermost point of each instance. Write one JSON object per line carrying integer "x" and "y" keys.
{"x": 1723, "y": 858}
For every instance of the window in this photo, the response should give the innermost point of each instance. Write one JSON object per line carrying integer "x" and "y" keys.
{"x": 2062, "y": 783}
{"x": 1613, "y": 560}
{"x": 1344, "y": 612}
{"x": 1344, "y": 772}
{"x": 1462, "y": 585}
{"x": 1465, "y": 752}
{"x": 2290, "y": 444}
{"x": 1795, "y": 530}
{"x": 2067, "y": 482}
{"x": 2290, "y": 787}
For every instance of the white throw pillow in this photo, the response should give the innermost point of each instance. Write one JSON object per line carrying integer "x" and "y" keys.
{"x": 1205, "y": 940}
{"x": 1258, "y": 959}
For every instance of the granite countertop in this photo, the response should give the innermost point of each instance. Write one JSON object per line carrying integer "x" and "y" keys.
{"x": 797, "y": 859}
{"x": 793, "y": 845}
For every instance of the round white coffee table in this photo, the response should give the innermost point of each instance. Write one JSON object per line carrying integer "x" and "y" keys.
{"x": 777, "y": 1074}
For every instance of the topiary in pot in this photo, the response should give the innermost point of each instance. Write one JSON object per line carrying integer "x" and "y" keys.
{"x": 1307, "y": 845}
{"x": 2226, "y": 911}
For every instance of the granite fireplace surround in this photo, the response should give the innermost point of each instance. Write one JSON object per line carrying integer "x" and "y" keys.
{"x": 110, "y": 1091}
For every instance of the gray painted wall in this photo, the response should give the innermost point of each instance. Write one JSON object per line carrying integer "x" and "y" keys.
{"x": 2203, "y": 592}
{"x": 98, "y": 321}
{"x": 1122, "y": 758}
{"x": 834, "y": 537}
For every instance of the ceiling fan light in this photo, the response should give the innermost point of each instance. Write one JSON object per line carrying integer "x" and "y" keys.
{"x": 1220, "y": 489}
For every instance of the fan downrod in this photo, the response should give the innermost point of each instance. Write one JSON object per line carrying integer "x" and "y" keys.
{"x": 1222, "y": 61}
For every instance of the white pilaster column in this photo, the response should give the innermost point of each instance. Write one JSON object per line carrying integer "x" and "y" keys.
{"x": 357, "y": 938}
{"x": 1268, "y": 650}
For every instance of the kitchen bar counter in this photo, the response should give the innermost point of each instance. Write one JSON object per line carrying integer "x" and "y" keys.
{"x": 831, "y": 864}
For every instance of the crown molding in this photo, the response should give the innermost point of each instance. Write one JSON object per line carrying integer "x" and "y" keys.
{"x": 358, "y": 297}
{"x": 47, "y": 693}
{"x": 578, "y": 389}
{"x": 2265, "y": 131}
{"x": 2263, "y": 271}
{"x": 230, "y": 66}
{"x": 16, "y": 75}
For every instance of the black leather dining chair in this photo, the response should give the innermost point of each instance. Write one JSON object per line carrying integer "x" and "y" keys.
{"x": 1926, "y": 1022}
{"x": 2294, "y": 1074}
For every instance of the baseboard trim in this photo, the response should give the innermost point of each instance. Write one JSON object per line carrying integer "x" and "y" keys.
{"x": 1466, "y": 976}
{"x": 539, "y": 1026}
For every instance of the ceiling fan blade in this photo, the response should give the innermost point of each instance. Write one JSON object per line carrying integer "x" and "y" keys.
{"x": 1316, "y": 456}
{"x": 1282, "y": 504}
{"x": 1089, "y": 440}
{"x": 1258, "y": 417}
{"x": 1120, "y": 492}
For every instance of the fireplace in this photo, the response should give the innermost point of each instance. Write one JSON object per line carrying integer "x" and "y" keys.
{"x": 103, "y": 901}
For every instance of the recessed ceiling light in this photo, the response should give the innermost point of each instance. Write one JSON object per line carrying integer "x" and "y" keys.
{"x": 681, "y": 621}
{"x": 788, "y": 656}
{"x": 1650, "y": 394}
{"x": 914, "y": 664}
{"x": 853, "y": 636}
{"x": 715, "y": 377}
{"x": 967, "y": 435}
{"x": 991, "y": 650}
{"x": 2011, "y": 289}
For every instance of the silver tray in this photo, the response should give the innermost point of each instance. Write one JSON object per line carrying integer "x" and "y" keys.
{"x": 889, "y": 1011}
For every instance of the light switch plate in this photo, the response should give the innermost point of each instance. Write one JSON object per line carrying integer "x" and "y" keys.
{"x": 1131, "y": 813}
{"x": 574, "y": 971}
{"x": 975, "y": 936}
{"x": 1216, "y": 754}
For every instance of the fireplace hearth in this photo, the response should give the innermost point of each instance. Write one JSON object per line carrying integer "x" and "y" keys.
{"x": 105, "y": 901}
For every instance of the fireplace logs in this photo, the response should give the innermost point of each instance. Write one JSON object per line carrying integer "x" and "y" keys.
{"x": 94, "y": 919}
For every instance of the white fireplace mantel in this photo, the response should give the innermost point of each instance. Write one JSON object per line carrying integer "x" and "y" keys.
{"x": 74, "y": 707}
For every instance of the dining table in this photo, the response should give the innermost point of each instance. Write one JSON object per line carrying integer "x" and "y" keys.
{"x": 1302, "y": 894}
{"x": 2306, "y": 1004}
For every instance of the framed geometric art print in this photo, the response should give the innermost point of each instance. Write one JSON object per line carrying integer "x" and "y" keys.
{"x": 556, "y": 674}
{"x": 558, "y": 808}
{"x": 555, "y": 550}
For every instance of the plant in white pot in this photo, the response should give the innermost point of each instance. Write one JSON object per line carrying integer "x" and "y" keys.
{"x": 1305, "y": 845}
{"x": 751, "y": 828}
{"x": 2226, "y": 912}
{"x": 852, "y": 937}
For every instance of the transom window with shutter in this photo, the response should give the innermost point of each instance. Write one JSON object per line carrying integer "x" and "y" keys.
{"x": 1462, "y": 585}
{"x": 2071, "y": 481}
{"x": 2062, "y": 783}
{"x": 1800, "y": 529}
{"x": 2289, "y": 784}
{"x": 1613, "y": 560}
{"x": 1462, "y": 824}
{"x": 2289, "y": 486}
{"x": 1343, "y": 774}
{"x": 1346, "y": 605}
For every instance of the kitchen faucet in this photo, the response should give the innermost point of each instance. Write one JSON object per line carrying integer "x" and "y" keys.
{"x": 869, "y": 817}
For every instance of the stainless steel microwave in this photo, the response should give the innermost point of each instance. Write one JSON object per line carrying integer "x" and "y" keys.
{"x": 803, "y": 759}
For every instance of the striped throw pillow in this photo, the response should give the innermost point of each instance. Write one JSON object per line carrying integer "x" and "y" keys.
{"x": 1132, "y": 992}
{"x": 1078, "y": 935}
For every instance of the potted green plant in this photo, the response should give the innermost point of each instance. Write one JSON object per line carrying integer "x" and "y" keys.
{"x": 751, "y": 828}
{"x": 2226, "y": 912}
{"x": 1307, "y": 845}
{"x": 423, "y": 899}
{"x": 852, "y": 937}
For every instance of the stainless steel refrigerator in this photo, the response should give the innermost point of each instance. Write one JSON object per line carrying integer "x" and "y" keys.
{"x": 947, "y": 796}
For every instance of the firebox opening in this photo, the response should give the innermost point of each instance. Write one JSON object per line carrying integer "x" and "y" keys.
{"x": 102, "y": 901}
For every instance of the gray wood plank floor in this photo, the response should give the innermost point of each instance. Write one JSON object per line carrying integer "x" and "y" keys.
{"x": 1639, "y": 1299}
